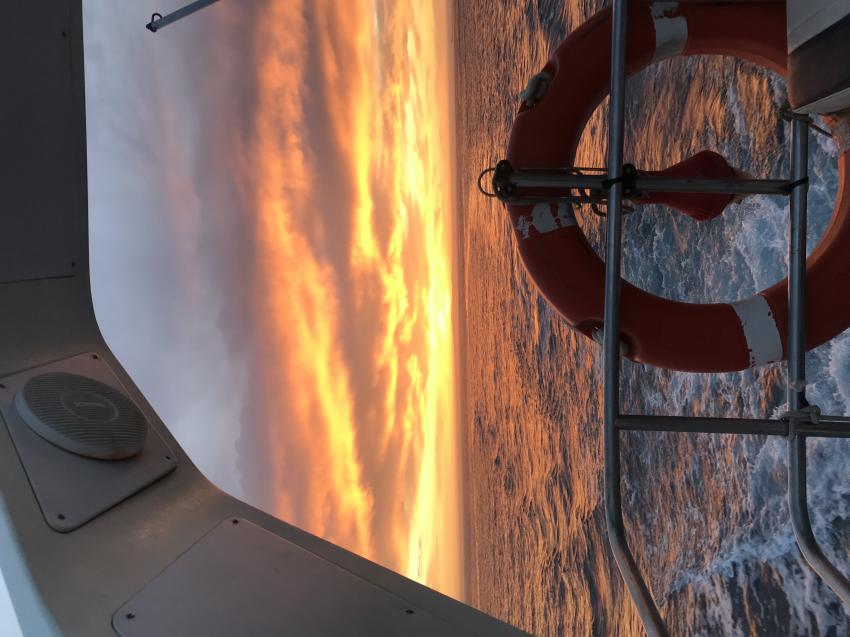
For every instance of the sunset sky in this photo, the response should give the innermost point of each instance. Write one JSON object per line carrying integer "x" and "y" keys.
{"x": 272, "y": 232}
{"x": 272, "y": 250}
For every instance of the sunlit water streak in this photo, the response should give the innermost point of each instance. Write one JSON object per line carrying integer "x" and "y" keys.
{"x": 707, "y": 514}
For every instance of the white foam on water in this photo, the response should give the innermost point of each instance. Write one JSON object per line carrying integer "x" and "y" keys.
{"x": 733, "y": 106}
{"x": 761, "y": 242}
{"x": 838, "y": 369}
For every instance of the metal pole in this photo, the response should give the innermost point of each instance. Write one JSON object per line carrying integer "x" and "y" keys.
{"x": 797, "y": 496}
{"x": 155, "y": 24}
{"x": 690, "y": 424}
{"x": 797, "y": 268}
{"x": 650, "y": 183}
{"x": 611, "y": 341}
{"x": 826, "y": 427}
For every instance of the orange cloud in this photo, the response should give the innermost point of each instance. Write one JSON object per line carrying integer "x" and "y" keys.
{"x": 348, "y": 165}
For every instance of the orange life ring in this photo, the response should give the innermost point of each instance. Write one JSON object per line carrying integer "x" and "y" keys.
{"x": 713, "y": 337}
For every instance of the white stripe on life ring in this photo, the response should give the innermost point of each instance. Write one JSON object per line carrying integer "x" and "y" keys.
{"x": 760, "y": 330}
{"x": 544, "y": 219}
{"x": 841, "y": 136}
{"x": 671, "y": 34}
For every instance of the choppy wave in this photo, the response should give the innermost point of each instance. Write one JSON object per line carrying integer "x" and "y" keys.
{"x": 707, "y": 514}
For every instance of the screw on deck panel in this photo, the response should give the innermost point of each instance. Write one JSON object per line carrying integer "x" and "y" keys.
{"x": 130, "y": 616}
{"x": 94, "y": 356}
{"x": 168, "y": 457}
{"x": 235, "y": 521}
{"x": 61, "y": 516}
{"x": 409, "y": 611}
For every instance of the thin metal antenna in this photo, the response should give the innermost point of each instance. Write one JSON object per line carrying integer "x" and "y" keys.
{"x": 158, "y": 21}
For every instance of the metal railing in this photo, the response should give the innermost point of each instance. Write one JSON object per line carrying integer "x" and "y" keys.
{"x": 559, "y": 180}
{"x": 802, "y": 421}
{"x": 796, "y": 428}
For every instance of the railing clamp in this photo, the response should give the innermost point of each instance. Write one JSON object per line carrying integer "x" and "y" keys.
{"x": 788, "y": 114}
{"x": 794, "y": 184}
{"x": 809, "y": 415}
{"x": 628, "y": 178}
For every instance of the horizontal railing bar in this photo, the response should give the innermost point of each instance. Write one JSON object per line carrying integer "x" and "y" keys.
{"x": 820, "y": 431}
{"x": 834, "y": 419}
{"x": 691, "y": 424}
{"x": 723, "y": 186}
{"x": 554, "y": 179}
{"x": 649, "y": 183}
{"x": 826, "y": 427}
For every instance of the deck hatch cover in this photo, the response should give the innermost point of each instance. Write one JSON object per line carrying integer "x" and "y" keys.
{"x": 241, "y": 579}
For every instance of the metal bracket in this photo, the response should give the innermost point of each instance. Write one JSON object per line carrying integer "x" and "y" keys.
{"x": 809, "y": 414}
{"x": 515, "y": 185}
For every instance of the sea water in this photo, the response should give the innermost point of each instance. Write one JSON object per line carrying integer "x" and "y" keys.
{"x": 707, "y": 515}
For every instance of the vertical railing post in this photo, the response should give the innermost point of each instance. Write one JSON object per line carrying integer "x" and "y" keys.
{"x": 797, "y": 496}
{"x": 797, "y": 266}
{"x": 646, "y": 608}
